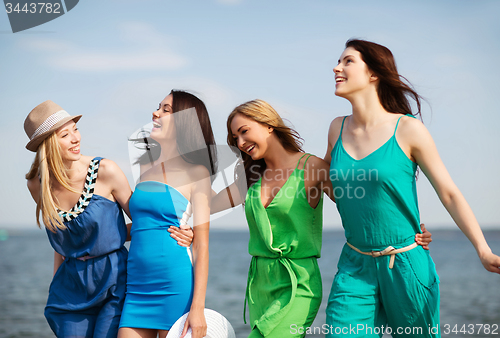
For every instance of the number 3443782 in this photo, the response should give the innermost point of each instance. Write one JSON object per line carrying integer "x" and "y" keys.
{"x": 470, "y": 329}
{"x": 34, "y": 7}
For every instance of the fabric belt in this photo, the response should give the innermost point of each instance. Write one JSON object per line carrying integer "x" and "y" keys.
{"x": 386, "y": 252}
{"x": 86, "y": 258}
{"x": 263, "y": 325}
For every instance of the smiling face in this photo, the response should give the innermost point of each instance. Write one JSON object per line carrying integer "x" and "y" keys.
{"x": 69, "y": 138}
{"x": 250, "y": 136}
{"x": 163, "y": 121}
{"x": 352, "y": 75}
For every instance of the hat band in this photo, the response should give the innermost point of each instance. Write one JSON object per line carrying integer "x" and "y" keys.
{"x": 49, "y": 123}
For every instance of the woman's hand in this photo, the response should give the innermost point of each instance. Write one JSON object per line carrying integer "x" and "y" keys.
{"x": 425, "y": 238}
{"x": 491, "y": 262}
{"x": 196, "y": 321}
{"x": 183, "y": 235}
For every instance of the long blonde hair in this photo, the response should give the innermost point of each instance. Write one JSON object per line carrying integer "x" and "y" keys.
{"x": 48, "y": 164}
{"x": 262, "y": 112}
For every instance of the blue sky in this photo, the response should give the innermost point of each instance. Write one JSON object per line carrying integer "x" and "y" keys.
{"x": 114, "y": 61}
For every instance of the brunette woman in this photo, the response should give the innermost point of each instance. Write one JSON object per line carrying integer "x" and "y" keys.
{"x": 384, "y": 279}
{"x": 163, "y": 282}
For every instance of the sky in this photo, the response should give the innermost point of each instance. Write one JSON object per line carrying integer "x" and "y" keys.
{"x": 114, "y": 60}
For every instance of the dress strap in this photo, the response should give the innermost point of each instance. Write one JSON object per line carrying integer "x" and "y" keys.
{"x": 164, "y": 173}
{"x": 304, "y": 166}
{"x": 342, "y": 128}
{"x": 88, "y": 192}
{"x": 397, "y": 124}
{"x": 299, "y": 160}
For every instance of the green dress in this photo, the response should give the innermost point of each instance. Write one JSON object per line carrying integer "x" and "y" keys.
{"x": 284, "y": 288}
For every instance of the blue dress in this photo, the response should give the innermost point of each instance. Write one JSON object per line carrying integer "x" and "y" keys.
{"x": 87, "y": 292}
{"x": 159, "y": 271}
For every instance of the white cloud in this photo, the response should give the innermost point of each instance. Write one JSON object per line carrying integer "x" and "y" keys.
{"x": 230, "y": 2}
{"x": 139, "y": 46}
{"x": 98, "y": 61}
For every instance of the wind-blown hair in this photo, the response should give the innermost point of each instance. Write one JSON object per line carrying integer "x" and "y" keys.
{"x": 393, "y": 89}
{"x": 260, "y": 111}
{"x": 48, "y": 164}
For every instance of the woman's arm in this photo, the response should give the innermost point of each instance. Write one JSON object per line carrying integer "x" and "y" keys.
{"x": 422, "y": 148}
{"x": 200, "y": 199}
{"x": 111, "y": 175}
{"x": 225, "y": 199}
{"x": 317, "y": 179}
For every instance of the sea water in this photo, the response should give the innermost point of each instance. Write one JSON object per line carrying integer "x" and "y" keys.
{"x": 469, "y": 294}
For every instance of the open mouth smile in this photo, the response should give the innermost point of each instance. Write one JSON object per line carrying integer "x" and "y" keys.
{"x": 250, "y": 148}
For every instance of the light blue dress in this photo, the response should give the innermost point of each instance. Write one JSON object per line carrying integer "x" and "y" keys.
{"x": 87, "y": 292}
{"x": 160, "y": 276}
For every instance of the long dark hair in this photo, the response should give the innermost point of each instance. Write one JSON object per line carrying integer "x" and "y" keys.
{"x": 263, "y": 113}
{"x": 188, "y": 137}
{"x": 393, "y": 89}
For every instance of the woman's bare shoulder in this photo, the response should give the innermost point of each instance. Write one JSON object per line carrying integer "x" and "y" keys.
{"x": 33, "y": 184}
{"x": 334, "y": 130}
{"x": 314, "y": 162}
{"x": 108, "y": 167}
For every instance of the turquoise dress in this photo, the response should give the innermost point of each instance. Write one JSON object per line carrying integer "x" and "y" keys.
{"x": 87, "y": 292}
{"x": 377, "y": 200}
{"x": 160, "y": 276}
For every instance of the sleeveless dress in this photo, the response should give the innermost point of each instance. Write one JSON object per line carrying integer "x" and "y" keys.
{"x": 284, "y": 287}
{"x": 87, "y": 292}
{"x": 160, "y": 276}
{"x": 376, "y": 197}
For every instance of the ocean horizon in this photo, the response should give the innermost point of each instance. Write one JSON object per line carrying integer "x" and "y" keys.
{"x": 469, "y": 294}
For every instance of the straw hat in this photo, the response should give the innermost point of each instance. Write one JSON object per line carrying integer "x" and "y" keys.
{"x": 46, "y": 118}
{"x": 217, "y": 326}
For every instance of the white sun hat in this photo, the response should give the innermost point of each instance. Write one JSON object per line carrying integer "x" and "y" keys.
{"x": 217, "y": 326}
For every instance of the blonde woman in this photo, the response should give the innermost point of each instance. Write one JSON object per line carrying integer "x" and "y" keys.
{"x": 284, "y": 211}
{"x": 80, "y": 199}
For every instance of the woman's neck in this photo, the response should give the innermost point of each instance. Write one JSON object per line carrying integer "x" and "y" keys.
{"x": 169, "y": 153}
{"x": 277, "y": 157}
{"x": 72, "y": 168}
{"x": 367, "y": 109}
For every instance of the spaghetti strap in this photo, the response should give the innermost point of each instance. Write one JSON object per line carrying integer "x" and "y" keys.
{"x": 299, "y": 160}
{"x": 397, "y": 124}
{"x": 304, "y": 166}
{"x": 342, "y": 128}
{"x": 164, "y": 173}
